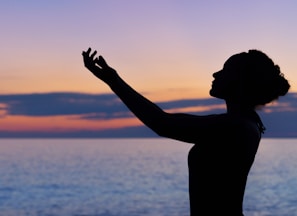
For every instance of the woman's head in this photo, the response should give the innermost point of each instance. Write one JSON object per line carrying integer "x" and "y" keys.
{"x": 249, "y": 78}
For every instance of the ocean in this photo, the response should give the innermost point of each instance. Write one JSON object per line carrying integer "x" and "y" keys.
{"x": 129, "y": 177}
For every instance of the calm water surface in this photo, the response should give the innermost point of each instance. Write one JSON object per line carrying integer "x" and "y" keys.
{"x": 129, "y": 177}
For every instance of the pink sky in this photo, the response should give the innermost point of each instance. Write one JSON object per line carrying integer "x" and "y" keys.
{"x": 165, "y": 49}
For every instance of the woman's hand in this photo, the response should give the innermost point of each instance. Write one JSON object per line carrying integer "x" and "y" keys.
{"x": 99, "y": 67}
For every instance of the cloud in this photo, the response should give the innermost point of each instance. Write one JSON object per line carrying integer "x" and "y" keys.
{"x": 88, "y": 106}
{"x": 102, "y": 106}
{"x": 279, "y": 117}
{"x": 283, "y": 104}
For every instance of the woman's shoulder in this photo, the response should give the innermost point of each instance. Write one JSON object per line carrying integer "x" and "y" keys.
{"x": 249, "y": 125}
{"x": 236, "y": 123}
{"x": 227, "y": 124}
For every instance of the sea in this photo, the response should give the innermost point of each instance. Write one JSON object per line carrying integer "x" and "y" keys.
{"x": 129, "y": 177}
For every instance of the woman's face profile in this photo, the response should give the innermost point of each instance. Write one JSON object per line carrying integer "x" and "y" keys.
{"x": 226, "y": 81}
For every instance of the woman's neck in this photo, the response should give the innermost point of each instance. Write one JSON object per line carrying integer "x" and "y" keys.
{"x": 238, "y": 108}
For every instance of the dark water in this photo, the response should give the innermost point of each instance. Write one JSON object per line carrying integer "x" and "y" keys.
{"x": 129, "y": 177}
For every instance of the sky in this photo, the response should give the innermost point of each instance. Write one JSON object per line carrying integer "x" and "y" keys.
{"x": 166, "y": 49}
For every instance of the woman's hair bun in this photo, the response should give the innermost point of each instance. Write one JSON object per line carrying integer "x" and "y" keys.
{"x": 283, "y": 85}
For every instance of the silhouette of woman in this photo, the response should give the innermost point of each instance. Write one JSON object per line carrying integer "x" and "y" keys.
{"x": 225, "y": 145}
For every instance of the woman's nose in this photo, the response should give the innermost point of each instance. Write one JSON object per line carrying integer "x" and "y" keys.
{"x": 217, "y": 74}
{"x": 214, "y": 75}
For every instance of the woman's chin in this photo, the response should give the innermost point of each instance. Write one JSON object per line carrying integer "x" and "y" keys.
{"x": 215, "y": 94}
{"x": 212, "y": 93}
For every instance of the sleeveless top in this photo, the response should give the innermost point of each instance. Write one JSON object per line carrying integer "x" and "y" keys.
{"x": 219, "y": 164}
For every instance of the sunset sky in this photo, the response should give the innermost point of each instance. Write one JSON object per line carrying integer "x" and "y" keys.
{"x": 166, "y": 49}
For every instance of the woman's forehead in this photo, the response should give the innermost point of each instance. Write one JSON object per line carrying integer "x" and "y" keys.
{"x": 235, "y": 59}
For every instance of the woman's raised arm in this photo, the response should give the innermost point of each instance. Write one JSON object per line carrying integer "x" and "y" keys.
{"x": 181, "y": 127}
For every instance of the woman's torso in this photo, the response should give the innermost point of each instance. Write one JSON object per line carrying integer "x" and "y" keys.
{"x": 219, "y": 164}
